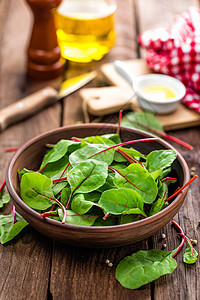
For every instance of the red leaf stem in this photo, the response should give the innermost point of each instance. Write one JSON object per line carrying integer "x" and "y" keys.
{"x": 76, "y": 140}
{"x": 165, "y": 135}
{"x": 47, "y": 214}
{"x": 168, "y": 178}
{"x": 128, "y": 156}
{"x": 106, "y": 216}
{"x": 59, "y": 179}
{"x": 11, "y": 149}
{"x": 183, "y": 238}
{"x": 61, "y": 205}
{"x": 2, "y": 186}
{"x": 125, "y": 143}
{"x": 180, "y": 189}
{"x": 14, "y": 214}
{"x": 183, "y": 235}
{"x": 119, "y": 121}
{"x": 40, "y": 171}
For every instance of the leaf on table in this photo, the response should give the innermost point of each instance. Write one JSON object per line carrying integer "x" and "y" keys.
{"x": 87, "y": 176}
{"x": 8, "y": 230}
{"x": 138, "y": 179}
{"x": 4, "y": 198}
{"x": 76, "y": 219}
{"x": 136, "y": 119}
{"x": 143, "y": 267}
{"x": 190, "y": 255}
{"x": 121, "y": 201}
{"x": 160, "y": 159}
{"x": 36, "y": 189}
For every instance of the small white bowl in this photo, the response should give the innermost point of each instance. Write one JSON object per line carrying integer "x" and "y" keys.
{"x": 158, "y": 105}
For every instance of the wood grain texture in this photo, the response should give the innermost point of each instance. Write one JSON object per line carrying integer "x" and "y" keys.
{"x": 25, "y": 264}
{"x": 183, "y": 283}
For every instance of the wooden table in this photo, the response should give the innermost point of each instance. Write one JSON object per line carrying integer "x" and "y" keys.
{"x": 35, "y": 267}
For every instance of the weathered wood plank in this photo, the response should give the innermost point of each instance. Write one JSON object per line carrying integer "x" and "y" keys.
{"x": 83, "y": 273}
{"x": 183, "y": 283}
{"x": 25, "y": 264}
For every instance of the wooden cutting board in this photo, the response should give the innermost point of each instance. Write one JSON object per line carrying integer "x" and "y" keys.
{"x": 106, "y": 100}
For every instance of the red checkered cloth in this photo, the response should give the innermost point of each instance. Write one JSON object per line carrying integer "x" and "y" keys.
{"x": 176, "y": 52}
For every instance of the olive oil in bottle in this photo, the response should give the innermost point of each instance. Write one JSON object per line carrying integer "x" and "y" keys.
{"x": 85, "y": 29}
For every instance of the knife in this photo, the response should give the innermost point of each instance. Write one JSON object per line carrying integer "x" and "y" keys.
{"x": 47, "y": 96}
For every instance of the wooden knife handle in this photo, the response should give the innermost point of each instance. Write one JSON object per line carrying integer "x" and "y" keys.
{"x": 27, "y": 106}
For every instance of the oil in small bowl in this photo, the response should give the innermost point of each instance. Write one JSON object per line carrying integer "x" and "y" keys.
{"x": 85, "y": 28}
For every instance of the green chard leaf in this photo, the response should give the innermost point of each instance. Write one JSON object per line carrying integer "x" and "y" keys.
{"x": 59, "y": 150}
{"x": 157, "y": 206}
{"x": 113, "y": 137}
{"x": 131, "y": 151}
{"x": 190, "y": 255}
{"x": 87, "y": 176}
{"x": 143, "y": 267}
{"x": 4, "y": 198}
{"x": 136, "y": 119}
{"x": 9, "y": 228}
{"x": 99, "y": 140}
{"x": 160, "y": 159}
{"x": 76, "y": 219}
{"x": 138, "y": 179}
{"x": 54, "y": 170}
{"x": 80, "y": 205}
{"x": 121, "y": 201}
{"x": 36, "y": 191}
{"x": 87, "y": 152}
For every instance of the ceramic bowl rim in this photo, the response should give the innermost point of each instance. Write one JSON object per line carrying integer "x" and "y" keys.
{"x": 98, "y": 229}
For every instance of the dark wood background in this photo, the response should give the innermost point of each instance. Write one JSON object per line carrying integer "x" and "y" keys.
{"x": 35, "y": 267}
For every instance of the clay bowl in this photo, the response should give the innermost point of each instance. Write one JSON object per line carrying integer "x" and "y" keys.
{"x": 30, "y": 156}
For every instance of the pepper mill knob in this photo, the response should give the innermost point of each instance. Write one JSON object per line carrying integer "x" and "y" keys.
{"x": 44, "y": 60}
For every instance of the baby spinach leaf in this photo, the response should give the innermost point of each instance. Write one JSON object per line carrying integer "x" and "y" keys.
{"x": 99, "y": 140}
{"x": 160, "y": 159}
{"x": 125, "y": 219}
{"x": 22, "y": 172}
{"x": 54, "y": 170}
{"x": 136, "y": 119}
{"x": 110, "y": 221}
{"x": 36, "y": 191}
{"x": 113, "y": 137}
{"x": 59, "y": 187}
{"x": 76, "y": 219}
{"x": 84, "y": 153}
{"x": 132, "y": 152}
{"x": 157, "y": 206}
{"x": 121, "y": 201}
{"x": 156, "y": 174}
{"x": 138, "y": 179}
{"x": 8, "y": 230}
{"x": 65, "y": 194}
{"x": 79, "y": 205}
{"x": 87, "y": 176}
{"x": 59, "y": 150}
{"x": 190, "y": 255}
{"x": 4, "y": 198}
{"x": 143, "y": 267}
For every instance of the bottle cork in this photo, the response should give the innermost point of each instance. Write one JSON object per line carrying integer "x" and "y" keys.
{"x": 44, "y": 59}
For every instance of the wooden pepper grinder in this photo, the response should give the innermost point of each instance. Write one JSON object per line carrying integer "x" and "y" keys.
{"x": 44, "y": 61}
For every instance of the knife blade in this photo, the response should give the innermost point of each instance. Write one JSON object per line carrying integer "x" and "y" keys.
{"x": 47, "y": 96}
